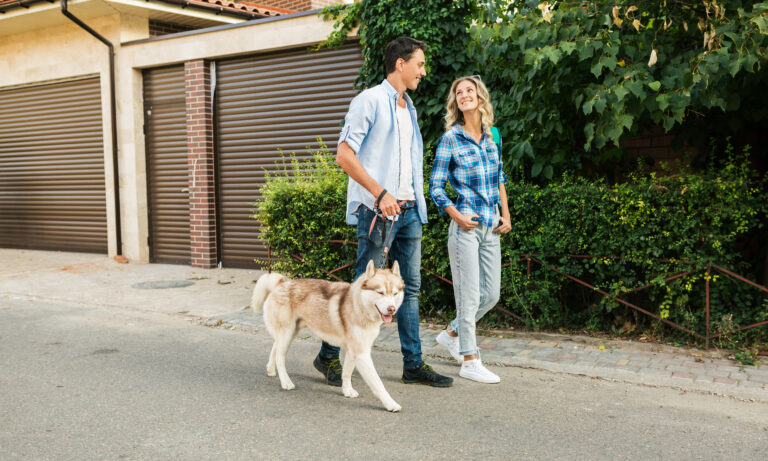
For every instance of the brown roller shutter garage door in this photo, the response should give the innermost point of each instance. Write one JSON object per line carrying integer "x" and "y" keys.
{"x": 265, "y": 105}
{"x": 167, "y": 173}
{"x": 52, "y": 192}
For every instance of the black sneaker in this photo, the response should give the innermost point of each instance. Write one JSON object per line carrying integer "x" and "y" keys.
{"x": 426, "y": 375}
{"x": 331, "y": 369}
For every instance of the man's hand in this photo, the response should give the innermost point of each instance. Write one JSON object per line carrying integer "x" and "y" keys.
{"x": 465, "y": 221}
{"x": 347, "y": 160}
{"x": 388, "y": 205}
{"x": 504, "y": 226}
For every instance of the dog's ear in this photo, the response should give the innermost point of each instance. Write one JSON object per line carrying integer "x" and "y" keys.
{"x": 370, "y": 269}
{"x": 396, "y": 269}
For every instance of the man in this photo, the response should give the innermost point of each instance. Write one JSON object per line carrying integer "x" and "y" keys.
{"x": 381, "y": 150}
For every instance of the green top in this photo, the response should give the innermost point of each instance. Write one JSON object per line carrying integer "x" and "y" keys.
{"x": 496, "y": 137}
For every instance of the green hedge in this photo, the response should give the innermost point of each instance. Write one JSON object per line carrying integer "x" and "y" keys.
{"x": 637, "y": 233}
{"x": 302, "y": 204}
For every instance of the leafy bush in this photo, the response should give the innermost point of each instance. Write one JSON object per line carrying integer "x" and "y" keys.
{"x": 304, "y": 203}
{"x": 572, "y": 79}
{"x": 635, "y": 233}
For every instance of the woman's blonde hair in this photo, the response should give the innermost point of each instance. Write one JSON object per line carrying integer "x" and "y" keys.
{"x": 452, "y": 113}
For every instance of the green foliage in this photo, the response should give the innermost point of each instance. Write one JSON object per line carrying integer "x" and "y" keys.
{"x": 442, "y": 24}
{"x": 747, "y": 356}
{"x": 637, "y": 233}
{"x": 303, "y": 207}
{"x": 571, "y": 79}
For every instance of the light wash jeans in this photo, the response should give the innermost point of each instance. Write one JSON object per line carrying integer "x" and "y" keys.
{"x": 476, "y": 269}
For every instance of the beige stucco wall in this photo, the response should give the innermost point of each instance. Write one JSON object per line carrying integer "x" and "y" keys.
{"x": 251, "y": 37}
{"x": 66, "y": 51}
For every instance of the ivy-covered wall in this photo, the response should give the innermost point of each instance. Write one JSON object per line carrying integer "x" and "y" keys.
{"x": 571, "y": 80}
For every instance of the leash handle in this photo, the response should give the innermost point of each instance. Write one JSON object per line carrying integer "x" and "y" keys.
{"x": 378, "y": 214}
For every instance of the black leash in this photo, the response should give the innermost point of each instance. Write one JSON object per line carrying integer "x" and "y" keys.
{"x": 404, "y": 206}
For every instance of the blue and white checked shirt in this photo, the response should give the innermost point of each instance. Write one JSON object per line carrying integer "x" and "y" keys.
{"x": 474, "y": 171}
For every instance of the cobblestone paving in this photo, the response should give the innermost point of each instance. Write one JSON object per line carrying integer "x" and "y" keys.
{"x": 683, "y": 369}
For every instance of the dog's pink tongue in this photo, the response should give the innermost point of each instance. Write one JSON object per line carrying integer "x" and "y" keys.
{"x": 386, "y": 318}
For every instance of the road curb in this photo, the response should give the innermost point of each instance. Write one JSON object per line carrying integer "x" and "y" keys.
{"x": 560, "y": 357}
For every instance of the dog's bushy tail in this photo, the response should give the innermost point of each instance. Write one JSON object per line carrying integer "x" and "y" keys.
{"x": 264, "y": 287}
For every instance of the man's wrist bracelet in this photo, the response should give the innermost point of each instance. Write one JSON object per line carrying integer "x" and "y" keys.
{"x": 381, "y": 196}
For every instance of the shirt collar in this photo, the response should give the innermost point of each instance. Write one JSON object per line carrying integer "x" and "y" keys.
{"x": 392, "y": 93}
{"x": 459, "y": 130}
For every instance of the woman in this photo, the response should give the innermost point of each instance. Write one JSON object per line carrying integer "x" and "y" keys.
{"x": 468, "y": 157}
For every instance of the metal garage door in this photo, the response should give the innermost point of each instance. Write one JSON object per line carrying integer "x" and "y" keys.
{"x": 267, "y": 104}
{"x": 165, "y": 124}
{"x": 52, "y": 193}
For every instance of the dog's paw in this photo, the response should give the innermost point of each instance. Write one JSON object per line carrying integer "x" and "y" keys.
{"x": 288, "y": 386}
{"x": 351, "y": 393}
{"x": 394, "y": 407}
{"x": 271, "y": 372}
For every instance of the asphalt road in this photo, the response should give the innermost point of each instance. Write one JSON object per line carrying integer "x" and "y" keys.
{"x": 85, "y": 383}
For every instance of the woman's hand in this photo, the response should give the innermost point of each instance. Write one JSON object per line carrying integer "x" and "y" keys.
{"x": 504, "y": 226}
{"x": 465, "y": 221}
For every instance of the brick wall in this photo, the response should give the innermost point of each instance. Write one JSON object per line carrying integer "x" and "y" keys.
{"x": 655, "y": 146}
{"x": 202, "y": 191}
{"x": 299, "y": 5}
{"x": 157, "y": 28}
{"x": 323, "y": 3}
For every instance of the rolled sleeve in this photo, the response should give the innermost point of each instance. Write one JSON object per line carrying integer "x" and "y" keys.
{"x": 358, "y": 121}
{"x": 439, "y": 176}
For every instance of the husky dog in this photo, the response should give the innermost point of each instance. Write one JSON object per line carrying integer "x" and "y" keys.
{"x": 342, "y": 314}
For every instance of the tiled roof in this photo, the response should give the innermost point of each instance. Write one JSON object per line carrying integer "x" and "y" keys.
{"x": 8, "y": 3}
{"x": 248, "y": 10}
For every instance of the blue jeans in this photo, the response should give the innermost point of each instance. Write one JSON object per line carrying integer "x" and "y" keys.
{"x": 405, "y": 248}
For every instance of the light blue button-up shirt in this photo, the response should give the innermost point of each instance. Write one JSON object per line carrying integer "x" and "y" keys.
{"x": 370, "y": 129}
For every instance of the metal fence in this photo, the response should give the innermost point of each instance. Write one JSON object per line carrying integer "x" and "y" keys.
{"x": 537, "y": 259}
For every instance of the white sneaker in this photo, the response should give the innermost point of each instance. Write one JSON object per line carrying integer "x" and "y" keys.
{"x": 476, "y": 371}
{"x": 451, "y": 343}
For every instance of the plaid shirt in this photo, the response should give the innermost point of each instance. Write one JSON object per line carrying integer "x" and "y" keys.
{"x": 474, "y": 171}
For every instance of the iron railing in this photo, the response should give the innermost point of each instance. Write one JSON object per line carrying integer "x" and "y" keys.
{"x": 529, "y": 258}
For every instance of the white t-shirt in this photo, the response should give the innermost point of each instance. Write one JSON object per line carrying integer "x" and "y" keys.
{"x": 405, "y": 128}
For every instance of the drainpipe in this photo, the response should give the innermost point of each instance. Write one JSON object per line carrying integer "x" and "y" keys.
{"x": 113, "y": 116}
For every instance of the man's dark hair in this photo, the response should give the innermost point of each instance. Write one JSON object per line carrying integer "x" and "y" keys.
{"x": 401, "y": 47}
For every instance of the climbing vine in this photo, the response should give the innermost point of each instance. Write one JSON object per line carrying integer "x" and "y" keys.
{"x": 572, "y": 79}
{"x": 444, "y": 26}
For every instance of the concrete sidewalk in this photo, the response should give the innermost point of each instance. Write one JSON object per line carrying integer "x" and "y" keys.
{"x": 218, "y": 297}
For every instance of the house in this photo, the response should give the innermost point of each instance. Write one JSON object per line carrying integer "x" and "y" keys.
{"x": 196, "y": 100}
